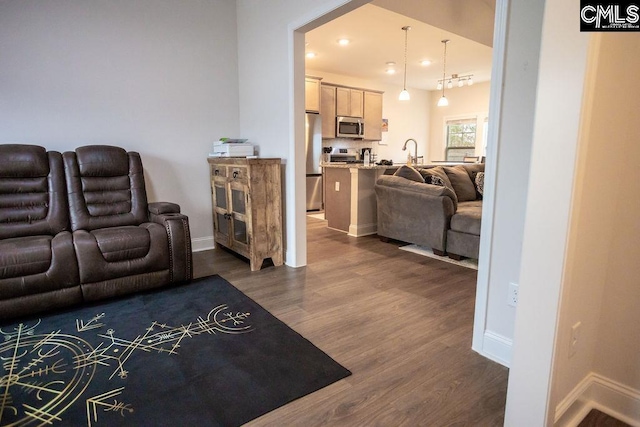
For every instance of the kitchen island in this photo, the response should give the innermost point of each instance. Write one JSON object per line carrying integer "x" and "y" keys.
{"x": 350, "y": 198}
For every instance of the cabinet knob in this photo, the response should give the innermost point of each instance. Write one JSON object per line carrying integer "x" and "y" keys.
{"x": 216, "y": 172}
{"x": 235, "y": 174}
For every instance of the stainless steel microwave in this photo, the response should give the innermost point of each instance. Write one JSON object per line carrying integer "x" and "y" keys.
{"x": 349, "y": 127}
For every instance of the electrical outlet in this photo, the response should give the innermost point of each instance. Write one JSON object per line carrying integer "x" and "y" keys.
{"x": 512, "y": 296}
{"x": 337, "y": 185}
{"x": 575, "y": 338}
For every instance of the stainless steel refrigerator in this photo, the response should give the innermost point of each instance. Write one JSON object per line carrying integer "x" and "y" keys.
{"x": 313, "y": 144}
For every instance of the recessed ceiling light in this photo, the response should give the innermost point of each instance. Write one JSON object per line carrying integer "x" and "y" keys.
{"x": 425, "y": 62}
{"x": 311, "y": 55}
{"x": 343, "y": 42}
{"x": 390, "y": 71}
{"x": 391, "y": 63}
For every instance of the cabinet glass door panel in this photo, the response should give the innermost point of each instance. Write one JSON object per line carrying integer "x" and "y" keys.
{"x": 237, "y": 201}
{"x": 240, "y": 231}
{"x": 223, "y": 224}
{"x": 221, "y": 197}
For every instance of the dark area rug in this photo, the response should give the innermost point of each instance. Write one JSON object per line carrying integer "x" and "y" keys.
{"x": 201, "y": 354}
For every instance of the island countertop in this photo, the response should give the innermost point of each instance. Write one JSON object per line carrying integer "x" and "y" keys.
{"x": 344, "y": 165}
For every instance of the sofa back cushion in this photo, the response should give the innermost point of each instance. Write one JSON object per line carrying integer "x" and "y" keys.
{"x": 461, "y": 182}
{"x": 436, "y": 176}
{"x": 407, "y": 172}
{"x": 32, "y": 193}
{"x": 106, "y": 187}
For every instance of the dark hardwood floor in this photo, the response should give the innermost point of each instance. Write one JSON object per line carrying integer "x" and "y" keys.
{"x": 401, "y": 322}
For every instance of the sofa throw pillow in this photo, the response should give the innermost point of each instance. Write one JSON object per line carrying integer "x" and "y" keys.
{"x": 436, "y": 176}
{"x": 461, "y": 182}
{"x": 434, "y": 180}
{"x": 479, "y": 181}
{"x": 410, "y": 173}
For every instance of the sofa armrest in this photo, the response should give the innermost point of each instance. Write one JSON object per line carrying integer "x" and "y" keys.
{"x": 414, "y": 212}
{"x": 179, "y": 236}
{"x": 158, "y": 208}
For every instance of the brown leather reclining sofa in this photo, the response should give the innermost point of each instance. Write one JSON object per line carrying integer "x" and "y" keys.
{"x": 77, "y": 227}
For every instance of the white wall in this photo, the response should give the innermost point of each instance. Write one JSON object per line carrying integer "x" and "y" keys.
{"x": 464, "y": 102}
{"x": 600, "y": 289}
{"x": 158, "y": 77}
{"x": 271, "y": 75}
{"x": 563, "y": 63}
{"x": 406, "y": 118}
{"x": 617, "y": 356}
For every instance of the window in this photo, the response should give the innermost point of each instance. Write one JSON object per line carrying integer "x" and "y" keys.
{"x": 461, "y": 139}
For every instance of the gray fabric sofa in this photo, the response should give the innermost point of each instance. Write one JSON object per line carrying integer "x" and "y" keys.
{"x": 445, "y": 217}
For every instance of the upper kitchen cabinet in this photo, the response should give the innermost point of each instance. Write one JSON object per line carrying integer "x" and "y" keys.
{"x": 349, "y": 102}
{"x": 373, "y": 116}
{"x": 328, "y": 111}
{"x": 312, "y": 94}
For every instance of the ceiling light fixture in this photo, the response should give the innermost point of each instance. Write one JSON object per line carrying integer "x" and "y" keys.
{"x": 443, "y": 101}
{"x": 311, "y": 55}
{"x": 462, "y": 80}
{"x": 404, "y": 95}
{"x": 390, "y": 71}
{"x": 343, "y": 42}
{"x": 425, "y": 63}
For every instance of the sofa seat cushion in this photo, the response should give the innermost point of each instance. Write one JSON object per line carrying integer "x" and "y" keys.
{"x": 34, "y": 265}
{"x": 25, "y": 256}
{"x": 115, "y": 252}
{"x": 467, "y": 218}
{"x": 122, "y": 243}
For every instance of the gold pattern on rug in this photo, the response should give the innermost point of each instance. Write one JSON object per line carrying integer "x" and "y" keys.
{"x": 52, "y": 370}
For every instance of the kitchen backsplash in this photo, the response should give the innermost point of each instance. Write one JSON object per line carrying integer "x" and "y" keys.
{"x": 351, "y": 143}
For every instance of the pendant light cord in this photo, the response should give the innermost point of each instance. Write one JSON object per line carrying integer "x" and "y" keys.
{"x": 406, "y": 39}
{"x": 444, "y": 65}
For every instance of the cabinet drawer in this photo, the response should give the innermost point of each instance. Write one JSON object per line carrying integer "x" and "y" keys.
{"x": 238, "y": 174}
{"x": 218, "y": 170}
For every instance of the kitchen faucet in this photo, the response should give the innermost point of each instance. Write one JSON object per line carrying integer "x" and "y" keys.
{"x": 414, "y": 159}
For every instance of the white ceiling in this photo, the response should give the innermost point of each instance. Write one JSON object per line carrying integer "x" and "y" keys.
{"x": 377, "y": 37}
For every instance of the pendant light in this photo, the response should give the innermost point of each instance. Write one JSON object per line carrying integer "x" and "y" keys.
{"x": 443, "y": 101}
{"x": 404, "y": 95}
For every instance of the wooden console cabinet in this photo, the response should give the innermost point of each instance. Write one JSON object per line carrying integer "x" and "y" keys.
{"x": 247, "y": 207}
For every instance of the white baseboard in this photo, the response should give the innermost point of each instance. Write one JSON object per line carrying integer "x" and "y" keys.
{"x": 202, "y": 243}
{"x": 497, "y": 348}
{"x": 363, "y": 229}
{"x": 601, "y": 393}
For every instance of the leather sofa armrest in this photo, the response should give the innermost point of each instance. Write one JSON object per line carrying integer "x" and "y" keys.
{"x": 158, "y": 208}
{"x": 177, "y": 226}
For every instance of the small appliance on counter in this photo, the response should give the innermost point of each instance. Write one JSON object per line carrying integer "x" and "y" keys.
{"x": 326, "y": 154}
{"x": 344, "y": 155}
{"x": 227, "y": 147}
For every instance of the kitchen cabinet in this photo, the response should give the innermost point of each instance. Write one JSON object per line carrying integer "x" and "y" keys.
{"x": 372, "y": 116}
{"x": 349, "y": 102}
{"x": 312, "y": 94}
{"x": 247, "y": 207}
{"x": 328, "y": 110}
